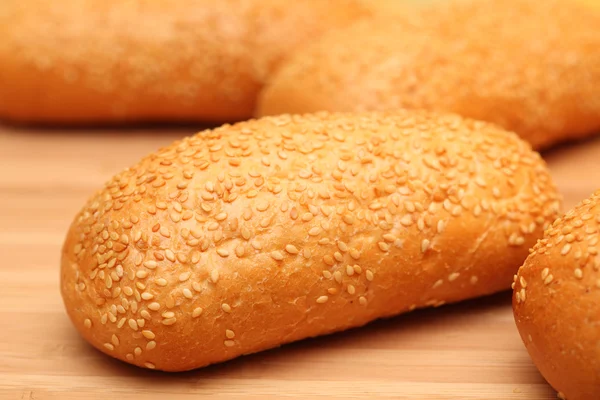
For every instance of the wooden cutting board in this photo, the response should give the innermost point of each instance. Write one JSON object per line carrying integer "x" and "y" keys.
{"x": 465, "y": 351}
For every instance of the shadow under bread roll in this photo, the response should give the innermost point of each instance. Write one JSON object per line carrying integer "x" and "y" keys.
{"x": 556, "y": 302}
{"x": 532, "y": 67}
{"x": 253, "y": 235}
{"x": 108, "y": 61}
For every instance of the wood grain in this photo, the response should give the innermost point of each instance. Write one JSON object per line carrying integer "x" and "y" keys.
{"x": 465, "y": 351}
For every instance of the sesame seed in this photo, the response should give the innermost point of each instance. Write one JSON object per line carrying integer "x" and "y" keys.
{"x": 523, "y": 282}
{"x": 223, "y": 252}
{"x": 169, "y": 321}
{"x": 545, "y": 273}
{"x": 322, "y": 299}
{"x": 362, "y": 300}
{"x": 314, "y": 231}
{"x": 229, "y": 334}
{"x": 214, "y": 275}
{"x": 351, "y": 289}
{"x": 150, "y": 345}
{"x": 109, "y": 346}
{"x": 548, "y": 279}
{"x": 148, "y": 334}
{"x": 115, "y": 340}
{"x": 87, "y": 323}
{"x": 154, "y": 306}
{"x": 453, "y": 276}
{"x": 137, "y": 351}
{"x": 566, "y": 248}
{"x": 147, "y": 296}
{"x": 226, "y": 307}
{"x": 424, "y": 245}
{"x": 290, "y": 248}
{"x": 229, "y": 343}
{"x": 440, "y": 226}
{"x": 369, "y": 275}
{"x": 150, "y": 264}
{"x": 149, "y": 365}
{"x": 349, "y": 270}
{"x": 578, "y": 273}
{"x": 383, "y": 246}
{"x": 197, "y": 311}
{"x": 161, "y": 282}
{"x": 277, "y": 255}
{"x": 141, "y": 274}
{"x": 133, "y": 324}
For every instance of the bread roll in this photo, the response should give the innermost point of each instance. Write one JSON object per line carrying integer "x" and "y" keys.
{"x": 532, "y": 67}
{"x": 105, "y": 61}
{"x": 556, "y": 303}
{"x": 253, "y": 235}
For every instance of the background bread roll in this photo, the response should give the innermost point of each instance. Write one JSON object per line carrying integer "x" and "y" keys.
{"x": 269, "y": 231}
{"x": 530, "y": 66}
{"x": 556, "y": 303}
{"x": 75, "y": 61}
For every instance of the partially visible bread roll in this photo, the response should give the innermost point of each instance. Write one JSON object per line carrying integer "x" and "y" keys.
{"x": 253, "y": 235}
{"x": 530, "y": 66}
{"x": 556, "y": 302}
{"x": 88, "y": 61}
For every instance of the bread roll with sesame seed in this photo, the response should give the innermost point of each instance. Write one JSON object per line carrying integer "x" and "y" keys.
{"x": 532, "y": 67}
{"x": 253, "y": 235}
{"x": 556, "y": 302}
{"x": 109, "y": 61}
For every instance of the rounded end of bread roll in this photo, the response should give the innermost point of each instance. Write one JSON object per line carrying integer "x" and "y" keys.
{"x": 543, "y": 87}
{"x": 108, "y": 61}
{"x": 253, "y": 235}
{"x": 556, "y": 302}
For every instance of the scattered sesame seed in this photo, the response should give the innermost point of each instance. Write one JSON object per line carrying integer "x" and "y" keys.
{"x": 229, "y": 334}
{"x": 424, "y": 245}
{"x": 226, "y": 307}
{"x": 453, "y": 276}
{"x": 322, "y": 299}
{"x": 349, "y": 270}
{"x": 578, "y": 273}
{"x": 147, "y": 296}
{"x": 290, "y": 248}
{"x": 150, "y": 264}
{"x": 109, "y": 346}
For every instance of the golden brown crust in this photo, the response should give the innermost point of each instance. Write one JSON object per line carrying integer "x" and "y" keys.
{"x": 556, "y": 302}
{"x": 530, "y": 66}
{"x": 253, "y": 235}
{"x": 77, "y": 61}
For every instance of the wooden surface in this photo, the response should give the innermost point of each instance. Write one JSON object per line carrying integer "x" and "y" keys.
{"x": 466, "y": 351}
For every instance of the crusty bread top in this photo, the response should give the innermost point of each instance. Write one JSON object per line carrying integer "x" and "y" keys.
{"x": 198, "y": 231}
{"x": 556, "y": 302}
{"x": 532, "y": 67}
{"x": 114, "y": 60}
